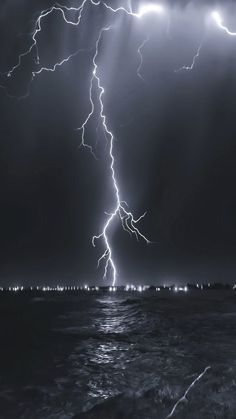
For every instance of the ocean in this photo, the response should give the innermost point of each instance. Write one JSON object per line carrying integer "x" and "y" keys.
{"x": 118, "y": 355}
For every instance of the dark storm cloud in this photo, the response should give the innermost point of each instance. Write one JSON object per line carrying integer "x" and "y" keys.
{"x": 175, "y": 147}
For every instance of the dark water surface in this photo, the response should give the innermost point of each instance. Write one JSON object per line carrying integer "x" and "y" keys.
{"x": 121, "y": 355}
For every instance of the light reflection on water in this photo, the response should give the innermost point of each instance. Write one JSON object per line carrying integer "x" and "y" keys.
{"x": 141, "y": 346}
{"x": 105, "y": 353}
{"x": 147, "y": 349}
{"x": 111, "y": 319}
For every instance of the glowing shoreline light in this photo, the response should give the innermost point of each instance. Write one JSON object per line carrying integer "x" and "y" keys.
{"x": 121, "y": 288}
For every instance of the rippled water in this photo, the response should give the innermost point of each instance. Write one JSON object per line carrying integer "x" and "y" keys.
{"x": 118, "y": 356}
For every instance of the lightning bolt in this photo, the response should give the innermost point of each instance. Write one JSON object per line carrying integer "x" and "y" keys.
{"x": 63, "y": 10}
{"x": 38, "y": 29}
{"x": 50, "y": 69}
{"x": 192, "y": 65}
{"x": 219, "y": 21}
{"x": 140, "y": 48}
{"x": 143, "y": 10}
{"x": 59, "y": 64}
{"x": 183, "y": 398}
{"x": 128, "y": 222}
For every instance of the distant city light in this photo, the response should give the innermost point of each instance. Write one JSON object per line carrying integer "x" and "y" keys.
{"x": 128, "y": 288}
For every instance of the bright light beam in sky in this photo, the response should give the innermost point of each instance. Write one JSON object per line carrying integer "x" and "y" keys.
{"x": 219, "y": 21}
{"x": 150, "y": 8}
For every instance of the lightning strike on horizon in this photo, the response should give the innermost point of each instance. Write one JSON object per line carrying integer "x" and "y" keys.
{"x": 183, "y": 398}
{"x": 128, "y": 222}
{"x": 140, "y": 48}
{"x": 219, "y": 21}
{"x": 120, "y": 210}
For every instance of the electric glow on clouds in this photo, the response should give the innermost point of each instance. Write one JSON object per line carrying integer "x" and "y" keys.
{"x": 219, "y": 21}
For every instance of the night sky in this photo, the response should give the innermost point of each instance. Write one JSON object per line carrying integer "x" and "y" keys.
{"x": 175, "y": 146}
